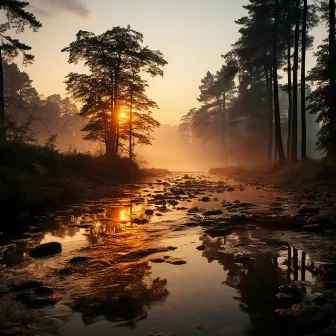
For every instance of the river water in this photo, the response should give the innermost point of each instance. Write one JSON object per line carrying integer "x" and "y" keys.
{"x": 161, "y": 273}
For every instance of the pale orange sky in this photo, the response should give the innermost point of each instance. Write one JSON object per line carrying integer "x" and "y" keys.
{"x": 192, "y": 34}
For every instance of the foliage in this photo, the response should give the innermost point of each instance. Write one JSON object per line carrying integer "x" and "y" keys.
{"x": 116, "y": 61}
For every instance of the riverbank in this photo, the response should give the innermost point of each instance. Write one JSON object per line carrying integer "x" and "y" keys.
{"x": 38, "y": 179}
{"x": 318, "y": 177}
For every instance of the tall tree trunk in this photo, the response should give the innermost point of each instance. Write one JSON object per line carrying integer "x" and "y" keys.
{"x": 303, "y": 83}
{"x": 131, "y": 128}
{"x": 332, "y": 72}
{"x": 269, "y": 94}
{"x": 278, "y": 136}
{"x": 224, "y": 130}
{"x": 289, "y": 78}
{"x": 295, "y": 82}
{"x": 3, "y": 135}
{"x": 115, "y": 116}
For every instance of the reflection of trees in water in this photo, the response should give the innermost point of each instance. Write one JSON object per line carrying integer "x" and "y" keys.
{"x": 257, "y": 280}
{"x": 124, "y": 292}
{"x": 121, "y": 294}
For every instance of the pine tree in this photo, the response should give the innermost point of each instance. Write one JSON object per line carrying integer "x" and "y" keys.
{"x": 17, "y": 19}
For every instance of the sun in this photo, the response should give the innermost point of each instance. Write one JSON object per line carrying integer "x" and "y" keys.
{"x": 122, "y": 115}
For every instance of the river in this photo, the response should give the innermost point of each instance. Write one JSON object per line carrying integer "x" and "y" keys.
{"x": 152, "y": 260}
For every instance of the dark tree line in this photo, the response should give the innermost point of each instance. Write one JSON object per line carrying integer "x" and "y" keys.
{"x": 33, "y": 118}
{"x": 264, "y": 109}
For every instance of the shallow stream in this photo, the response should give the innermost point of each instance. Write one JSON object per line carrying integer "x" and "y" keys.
{"x": 126, "y": 270}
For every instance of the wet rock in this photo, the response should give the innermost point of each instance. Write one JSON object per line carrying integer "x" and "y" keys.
{"x": 291, "y": 289}
{"x": 44, "y": 290}
{"x": 311, "y": 316}
{"x": 218, "y": 232}
{"x": 85, "y": 226}
{"x": 177, "y": 191}
{"x": 208, "y": 222}
{"x": 46, "y": 250}
{"x": 201, "y": 247}
{"x": 80, "y": 260}
{"x": 177, "y": 262}
{"x": 159, "y": 197}
{"x": 288, "y": 298}
{"x": 149, "y": 212}
{"x": 65, "y": 271}
{"x": 193, "y": 210}
{"x": 205, "y": 199}
{"x": 41, "y": 302}
{"x": 191, "y": 224}
{"x": 140, "y": 221}
{"x": 276, "y": 209}
{"x": 308, "y": 210}
{"x": 171, "y": 248}
{"x": 157, "y": 260}
{"x": 241, "y": 258}
{"x": 214, "y": 212}
{"x": 21, "y": 241}
{"x": 173, "y": 202}
{"x": 27, "y": 285}
{"x": 313, "y": 227}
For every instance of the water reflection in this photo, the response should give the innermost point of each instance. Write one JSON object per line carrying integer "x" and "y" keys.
{"x": 257, "y": 279}
{"x": 124, "y": 294}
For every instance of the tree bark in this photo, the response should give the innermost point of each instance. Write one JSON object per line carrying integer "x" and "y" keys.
{"x": 278, "y": 136}
{"x": 130, "y": 128}
{"x": 115, "y": 116}
{"x": 289, "y": 79}
{"x": 295, "y": 82}
{"x": 3, "y": 135}
{"x": 269, "y": 94}
{"x": 303, "y": 83}
{"x": 332, "y": 70}
{"x": 224, "y": 130}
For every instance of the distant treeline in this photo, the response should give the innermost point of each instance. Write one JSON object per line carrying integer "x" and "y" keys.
{"x": 243, "y": 108}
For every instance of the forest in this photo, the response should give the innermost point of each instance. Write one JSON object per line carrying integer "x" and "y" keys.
{"x": 118, "y": 218}
{"x": 264, "y": 104}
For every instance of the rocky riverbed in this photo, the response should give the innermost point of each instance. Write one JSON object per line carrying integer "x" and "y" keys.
{"x": 185, "y": 254}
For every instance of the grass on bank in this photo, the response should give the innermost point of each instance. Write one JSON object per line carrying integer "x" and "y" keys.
{"x": 307, "y": 171}
{"x": 34, "y": 177}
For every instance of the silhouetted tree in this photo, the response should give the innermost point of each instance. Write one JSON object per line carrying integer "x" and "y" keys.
{"x": 322, "y": 101}
{"x": 113, "y": 58}
{"x": 17, "y": 18}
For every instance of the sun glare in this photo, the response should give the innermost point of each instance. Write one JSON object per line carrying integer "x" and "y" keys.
{"x": 122, "y": 115}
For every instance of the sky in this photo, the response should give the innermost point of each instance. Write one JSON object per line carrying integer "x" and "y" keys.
{"x": 192, "y": 35}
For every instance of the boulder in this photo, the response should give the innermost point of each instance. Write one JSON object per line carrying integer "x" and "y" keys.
{"x": 140, "y": 221}
{"x": 41, "y": 302}
{"x": 205, "y": 199}
{"x": 313, "y": 227}
{"x": 218, "y": 232}
{"x": 149, "y": 212}
{"x": 27, "y": 285}
{"x": 80, "y": 260}
{"x": 214, "y": 212}
{"x": 308, "y": 210}
{"x": 46, "y": 250}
